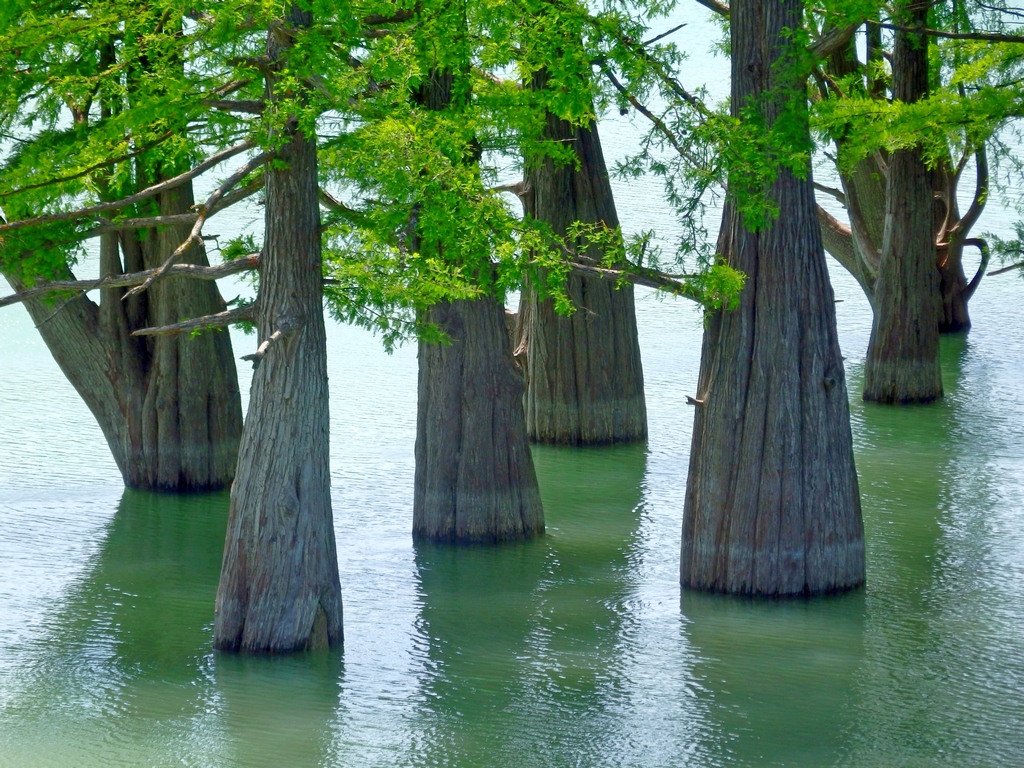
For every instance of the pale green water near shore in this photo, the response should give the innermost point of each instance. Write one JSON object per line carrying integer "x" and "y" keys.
{"x": 574, "y": 650}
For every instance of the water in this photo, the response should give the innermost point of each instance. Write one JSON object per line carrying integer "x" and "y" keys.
{"x": 574, "y": 650}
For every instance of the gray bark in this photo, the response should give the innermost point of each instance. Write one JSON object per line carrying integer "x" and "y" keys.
{"x": 903, "y": 354}
{"x": 279, "y": 588}
{"x": 475, "y": 480}
{"x": 772, "y": 504}
{"x": 585, "y": 381}
{"x": 168, "y": 407}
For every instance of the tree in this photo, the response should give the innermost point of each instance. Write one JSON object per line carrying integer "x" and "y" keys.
{"x": 903, "y": 352}
{"x": 168, "y": 407}
{"x": 475, "y": 480}
{"x": 279, "y": 588}
{"x": 772, "y": 504}
{"x": 584, "y": 375}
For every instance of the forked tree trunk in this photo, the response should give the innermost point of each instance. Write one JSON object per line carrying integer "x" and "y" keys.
{"x": 903, "y": 354}
{"x": 279, "y": 588}
{"x": 475, "y": 480}
{"x": 772, "y": 505}
{"x": 585, "y": 382}
{"x": 168, "y": 406}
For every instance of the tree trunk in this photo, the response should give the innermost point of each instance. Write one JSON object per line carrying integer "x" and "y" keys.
{"x": 168, "y": 406}
{"x": 475, "y": 480}
{"x": 772, "y": 505}
{"x": 953, "y": 294}
{"x": 585, "y": 383}
{"x": 903, "y": 353}
{"x": 279, "y": 588}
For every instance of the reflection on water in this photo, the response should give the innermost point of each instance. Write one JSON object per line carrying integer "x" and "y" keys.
{"x": 575, "y": 649}
{"x": 542, "y": 617}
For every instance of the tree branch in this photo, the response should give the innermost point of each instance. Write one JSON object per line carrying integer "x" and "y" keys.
{"x": 649, "y": 278}
{"x": 1010, "y": 268}
{"x": 970, "y": 218}
{"x": 241, "y": 314}
{"x": 992, "y": 37}
{"x": 833, "y": 192}
{"x": 720, "y": 8}
{"x": 972, "y": 286}
{"x": 833, "y": 40}
{"x": 192, "y": 271}
{"x": 204, "y": 212}
{"x": 124, "y": 202}
{"x": 257, "y": 357}
{"x": 92, "y": 168}
{"x": 231, "y": 105}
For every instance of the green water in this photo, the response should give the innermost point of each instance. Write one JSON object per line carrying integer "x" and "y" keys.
{"x": 577, "y": 649}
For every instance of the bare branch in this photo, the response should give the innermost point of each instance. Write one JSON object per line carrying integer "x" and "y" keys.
{"x": 833, "y": 192}
{"x": 658, "y": 123}
{"x": 1019, "y": 265}
{"x": 969, "y": 219}
{"x": 649, "y": 278}
{"x": 972, "y": 286}
{"x": 720, "y": 8}
{"x": 204, "y": 212}
{"x": 192, "y": 271}
{"x": 257, "y": 357}
{"x": 124, "y": 202}
{"x": 833, "y": 40}
{"x": 241, "y": 314}
{"x": 662, "y": 36}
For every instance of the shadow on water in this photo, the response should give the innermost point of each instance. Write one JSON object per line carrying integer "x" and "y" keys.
{"x": 522, "y": 642}
{"x": 125, "y": 674}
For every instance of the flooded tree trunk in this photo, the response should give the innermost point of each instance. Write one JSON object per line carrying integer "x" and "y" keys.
{"x": 279, "y": 588}
{"x": 772, "y": 504}
{"x": 168, "y": 406}
{"x": 475, "y": 480}
{"x": 585, "y": 382}
{"x": 903, "y": 354}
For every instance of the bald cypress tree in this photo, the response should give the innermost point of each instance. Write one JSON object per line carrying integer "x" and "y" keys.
{"x": 772, "y": 505}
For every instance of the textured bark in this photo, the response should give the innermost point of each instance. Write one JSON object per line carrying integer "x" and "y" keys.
{"x": 772, "y": 504}
{"x": 585, "y": 382}
{"x": 168, "y": 407}
{"x": 279, "y": 588}
{"x": 475, "y": 480}
{"x": 903, "y": 354}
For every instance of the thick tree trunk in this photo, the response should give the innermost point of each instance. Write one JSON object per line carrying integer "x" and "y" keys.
{"x": 279, "y": 588}
{"x": 168, "y": 406}
{"x": 903, "y": 353}
{"x": 772, "y": 505}
{"x": 585, "y": 383}
{"x": 475, "y": 480}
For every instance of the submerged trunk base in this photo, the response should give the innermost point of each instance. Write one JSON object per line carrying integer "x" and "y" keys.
{"x": 475, "y": 480}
